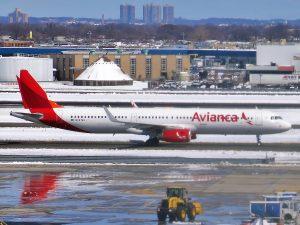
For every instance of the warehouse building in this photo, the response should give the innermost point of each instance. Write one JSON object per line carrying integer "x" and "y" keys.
{"x": 139, "y": 66}
{"x": 288, "y": 54}
{"x": 40, "y": 68}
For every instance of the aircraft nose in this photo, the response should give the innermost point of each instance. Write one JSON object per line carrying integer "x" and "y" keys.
{"x": 285, "y": 126}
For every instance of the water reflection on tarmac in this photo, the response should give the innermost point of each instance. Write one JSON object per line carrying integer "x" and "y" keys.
{"x": 129, "y": 194}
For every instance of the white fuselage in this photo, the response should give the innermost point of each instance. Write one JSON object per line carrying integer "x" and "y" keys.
{"x": 198, "y": 120}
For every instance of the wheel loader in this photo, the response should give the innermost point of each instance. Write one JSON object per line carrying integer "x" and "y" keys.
{"x": 178, "y": 206}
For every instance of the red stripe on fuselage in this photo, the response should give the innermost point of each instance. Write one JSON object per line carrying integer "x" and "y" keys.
{"x": 51, "y": 118}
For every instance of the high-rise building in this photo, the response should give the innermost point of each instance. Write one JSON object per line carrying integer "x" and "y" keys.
{"x": 168, "y": 14}
{"x": 18, "y": 17}
{"x": 151, "y": 13}
{"x": 127, "y": 13}
{"x": 102, "y": 20}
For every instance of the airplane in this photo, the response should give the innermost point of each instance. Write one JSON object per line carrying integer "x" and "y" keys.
{"x": 161, "y": 124}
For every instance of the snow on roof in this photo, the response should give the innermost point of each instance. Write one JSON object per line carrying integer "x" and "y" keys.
{"x": 103, "y": 70}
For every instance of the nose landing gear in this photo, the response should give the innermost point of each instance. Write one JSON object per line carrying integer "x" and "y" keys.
{"x": 258, "y": 140}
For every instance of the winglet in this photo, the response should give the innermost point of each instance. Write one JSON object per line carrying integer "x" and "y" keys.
{"x": 110, "y": 115}
{"x": 133, "y": 104}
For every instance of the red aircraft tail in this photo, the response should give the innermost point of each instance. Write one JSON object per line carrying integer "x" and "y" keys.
{"x": 33, "y": 96}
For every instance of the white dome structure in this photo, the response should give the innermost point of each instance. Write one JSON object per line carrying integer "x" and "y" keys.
{"x": 103, "y": 73}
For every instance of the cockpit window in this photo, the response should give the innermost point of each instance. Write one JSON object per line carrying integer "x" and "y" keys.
{"x": 276, "y": 118}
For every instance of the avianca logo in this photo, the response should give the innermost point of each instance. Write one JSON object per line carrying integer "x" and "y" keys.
{"x": 228, "y": 118}
{"x": 244, "y": 117}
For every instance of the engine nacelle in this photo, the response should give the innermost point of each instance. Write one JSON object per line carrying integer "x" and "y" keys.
{"x": 176, "y": 135}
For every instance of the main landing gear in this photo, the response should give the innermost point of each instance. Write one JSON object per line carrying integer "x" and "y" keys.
{"x": 152, "y": 141}
{"x": 258, "y": 140}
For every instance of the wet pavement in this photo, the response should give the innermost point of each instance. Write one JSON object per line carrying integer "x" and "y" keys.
{"x": 129, "y": 193}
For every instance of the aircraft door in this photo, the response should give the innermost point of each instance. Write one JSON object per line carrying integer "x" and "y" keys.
{"x": 134, "y": 118}
{"x": 259, "y": 119}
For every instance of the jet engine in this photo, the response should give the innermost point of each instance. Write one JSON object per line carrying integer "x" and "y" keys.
{"x": 176, "y": 135}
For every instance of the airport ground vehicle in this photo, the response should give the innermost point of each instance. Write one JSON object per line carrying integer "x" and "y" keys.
{"x": 177, "y": 206}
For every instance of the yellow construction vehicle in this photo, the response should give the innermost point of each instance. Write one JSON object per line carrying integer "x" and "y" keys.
{"x": 177, "y": 206}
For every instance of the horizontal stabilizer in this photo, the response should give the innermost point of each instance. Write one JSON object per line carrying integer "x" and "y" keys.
{"x": 32, "y": 117}
{"x": 296, "y": 126}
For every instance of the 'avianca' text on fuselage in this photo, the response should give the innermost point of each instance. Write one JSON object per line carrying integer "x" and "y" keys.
{"x": 208, "y": 117}
{"x": 224, "y": 118}
{"x": 166, "y": 124}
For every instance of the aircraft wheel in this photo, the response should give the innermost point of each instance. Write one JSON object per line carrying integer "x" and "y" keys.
{"x": 152, "y": 142}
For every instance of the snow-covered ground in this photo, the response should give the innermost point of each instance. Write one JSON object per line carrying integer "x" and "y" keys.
{"x": 52, "y": 134}
{"x": 65, "y": 86}
{"x": 5, "y": 116}
{"x": 166, "y": 98}
{"x": 280, "y": 157}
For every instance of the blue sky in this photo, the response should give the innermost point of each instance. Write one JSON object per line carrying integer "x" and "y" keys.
{"x": 191, "y": 9}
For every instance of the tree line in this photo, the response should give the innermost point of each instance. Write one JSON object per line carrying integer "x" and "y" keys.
{"x": 119, "y": 32}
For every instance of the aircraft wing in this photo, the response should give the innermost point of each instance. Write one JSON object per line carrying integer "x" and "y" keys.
{"x": 141, "y": 126}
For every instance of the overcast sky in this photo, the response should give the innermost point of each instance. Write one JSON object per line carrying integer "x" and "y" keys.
{"x": 191, "y": 9}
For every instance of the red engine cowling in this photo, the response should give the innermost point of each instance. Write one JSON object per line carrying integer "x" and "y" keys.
{"x": 176, "y": 135}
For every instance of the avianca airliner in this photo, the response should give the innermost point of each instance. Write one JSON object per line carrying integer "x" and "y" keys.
{"x": 165, "y": 124}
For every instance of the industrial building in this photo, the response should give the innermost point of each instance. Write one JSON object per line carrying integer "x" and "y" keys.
{"x": 70, "y": 64}
{"x": 284, "y": 55}
{"x": 40, "y": 68}
{"x": 277, "y": 65}
{"x": 103, "y": 73}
